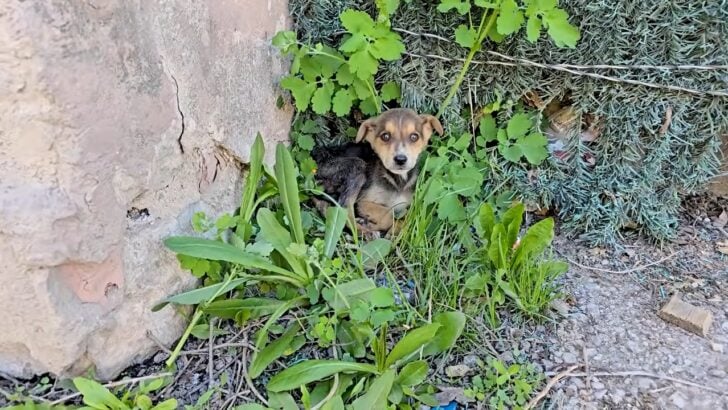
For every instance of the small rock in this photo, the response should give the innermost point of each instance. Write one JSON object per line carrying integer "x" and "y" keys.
{"x": 448, "y": 394}
{"x": 645, "y": 383}
{"x": 679, "y": 400}
{"x": 721, "y": 374}
{"x": 578, "y": 382}
{"x": 597, "y": 385}
{"x": 599, "y": 394}
{"x": 560, "y": 307}
{"x": 506, "y": 357}
{"x": 717, "y": 347}
{"x": 471, "y": 360}
{"x": 617, "y": 396}
{"x": 571, "y": 391}
{"x": 547, "y": 364}
{"x": 160, "y": 357}
{"x": 457, "y": 371}
{"x": 605, "y": 262}
{"x": 570, "y": 358}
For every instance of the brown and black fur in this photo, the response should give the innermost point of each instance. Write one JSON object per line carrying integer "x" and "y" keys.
{"x": 375, "y": 176}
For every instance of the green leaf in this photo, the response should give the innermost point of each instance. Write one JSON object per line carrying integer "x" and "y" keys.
{"x": 282, "y": 401}
{"x": 382, "y": 316}
{"x": 488, "y": 128}
{"x": 462, "y": 6}
{"x": 252, "y": 180}
{"x": 486, "y": 4}
{"x": 451, "y": 209}
{"x": 355, "y": 42}
{"x": 252, "y": 307}
{"x": 560, "y": 30}
{"x": 202, "y": 331}
{"x": 381, "y": 297}
{"x": 468, "y": 181}
{"x": 390, "y": 91}
{"x": 537, "y": 238}
{"x": 355, "y": 21}
{"x": 510, "y": 18}
{"x": 300, "y": 89}
{"x": 388, "y": 48}
{"x": 533, "y": 29}
{"x": 274, "y": 233}
{"x": 519, "y": 125}
{"x": 284, "y": 40}
{"x": 363, "y": 65}
{"x": 344, "y": 75}
{"x": 411, "y": 342}
{"x": 261, "y": 360}
{"x": 451, "y": 327}
{"x": 368, "y": 106}
{"x": 413, "y": 373}
{"x": 375, "y": 251}
{"x": 534, "y": 147}
{"x": 512, "y": 220}
{"x": 252, "y": 406}
{"x": 321, "y": 101}
{"x": 169, "y": 404}
{"x": 354, "y": 338}
{"x": 286, "y": 174}
{"x": 336, "y": 217}
{"x": 512, "y": 153}
{"x": 486, "y": 218}
{"x": 465, "y": 36}
{"x": 200, "y": 295}
{"x": 305, "y": 142}
{"x": 344, "y": 295}
{"x": 314, "y": 370}
{"x": 97, "y": 396}
{"x": 342, "y": 102}
{"x": 435, "y": 190}
{"x": 376, "y": 395}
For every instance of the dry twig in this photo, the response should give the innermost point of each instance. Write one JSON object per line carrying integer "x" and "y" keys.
{"x": 619, "y": 272}
{"x": 551, "y": 383}
{"x": 640, "y": 373}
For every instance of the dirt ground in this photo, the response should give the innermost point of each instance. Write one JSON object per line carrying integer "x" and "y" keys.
{"x": 626, "y": 356}
{"x": 612, "y": 323}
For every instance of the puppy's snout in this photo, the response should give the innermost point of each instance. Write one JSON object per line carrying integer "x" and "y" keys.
{"x": 400, "y": 159}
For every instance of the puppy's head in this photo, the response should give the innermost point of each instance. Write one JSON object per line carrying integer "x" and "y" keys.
{"x": 398, "y": 137}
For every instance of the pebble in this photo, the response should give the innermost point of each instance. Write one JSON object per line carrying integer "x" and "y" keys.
{"x": 645, "y": 383}
{"x": 597, "y": 385}
{"x": 717, "y": 347}
{"x": 160, "y": 357}
{"x": 571, "y": 391}
{"x": 679, "y": 400}
{"x": 599, "y": 394}
{"x": 471, "y": 360}
{"x": 457, "y": 371}
{"x": 570, "y": 358}
{"x": 617, "y": 396}
{"x": 718, "y": 373}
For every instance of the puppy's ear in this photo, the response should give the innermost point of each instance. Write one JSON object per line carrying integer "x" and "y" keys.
{"x": 365, "y": 129}
{"x": 431, "y": 124}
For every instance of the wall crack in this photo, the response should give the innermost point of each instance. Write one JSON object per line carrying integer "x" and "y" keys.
{"x": 181, "y": 114}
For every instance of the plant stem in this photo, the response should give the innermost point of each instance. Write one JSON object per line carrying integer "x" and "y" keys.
{"x": 483, "y": 30}
{"x": 195, "y": 318}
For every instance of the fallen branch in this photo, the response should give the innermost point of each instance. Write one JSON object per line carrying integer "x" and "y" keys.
{"x": 639, "y": 373}
{"x": 551, "y": 383}
{"x": 619, "y": 272}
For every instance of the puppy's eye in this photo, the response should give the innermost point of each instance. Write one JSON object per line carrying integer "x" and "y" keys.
{"x": 384, "y": 136}
{"x": 414, "y": 137}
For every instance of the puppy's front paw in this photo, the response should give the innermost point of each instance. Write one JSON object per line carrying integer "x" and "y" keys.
{"x": 367, "y": 233}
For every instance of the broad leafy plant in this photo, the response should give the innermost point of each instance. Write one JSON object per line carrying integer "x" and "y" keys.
{"x": 335, "y": 80}
{"x": 502, "y": 18}
{"x": 514, "y": 266}
{"x": 395, "y": 379}
{"x": 518, "y": 139}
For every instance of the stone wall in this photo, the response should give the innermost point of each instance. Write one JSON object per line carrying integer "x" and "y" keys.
{"x": 118, "y": 120}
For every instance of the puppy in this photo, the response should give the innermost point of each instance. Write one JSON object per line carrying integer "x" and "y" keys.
{"x": 375, "y": 176}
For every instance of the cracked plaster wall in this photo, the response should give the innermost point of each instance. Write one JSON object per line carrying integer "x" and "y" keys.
{"x": 118, "y": 120}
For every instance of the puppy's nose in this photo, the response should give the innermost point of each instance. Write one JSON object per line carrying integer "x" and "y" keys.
{"x": 400, "y": 159}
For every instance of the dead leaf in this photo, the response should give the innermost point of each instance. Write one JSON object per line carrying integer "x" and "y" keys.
{"x": 721, "y": 220}
{"x": 723, "y": 247}
{"x": 448, "y": 394}
{"x": 457, "y": 371}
